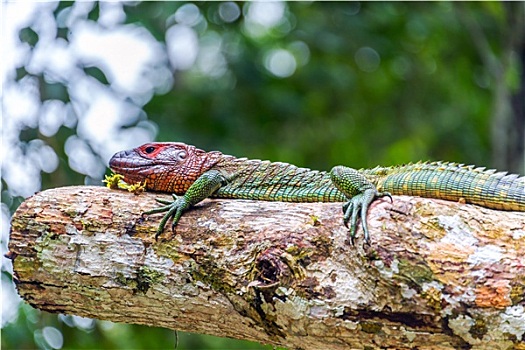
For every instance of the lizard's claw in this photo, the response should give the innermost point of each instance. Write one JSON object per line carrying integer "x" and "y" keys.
{"x": 167, "y": 202}
{"x": 173, "y": 209}
{"x": 359, "y": 204}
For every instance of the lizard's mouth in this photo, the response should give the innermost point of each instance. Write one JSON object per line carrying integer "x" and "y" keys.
{"x": 123, "y": 159}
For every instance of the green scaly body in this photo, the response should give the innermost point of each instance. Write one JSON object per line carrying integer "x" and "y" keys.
{"x": 264, "y": 180}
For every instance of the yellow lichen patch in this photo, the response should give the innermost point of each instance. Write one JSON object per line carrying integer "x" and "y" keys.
{"x": 137, "y": 188}
{"x": 433, "y": 297}
{"x": 291, "y": 261}
{"x": 112, "y": 181}
{"x": 519, "y": 346}
{"x": 315, "y": 220}
{"x": 414, "y": 272}
{"x": 517, "y": 293}
{"x": 497, "y": 295}
{"x": 371, "y": 327}
{"x": 116, "y": 181}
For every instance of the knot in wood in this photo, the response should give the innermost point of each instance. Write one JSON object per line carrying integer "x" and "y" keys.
{"x": 272, "y": 268}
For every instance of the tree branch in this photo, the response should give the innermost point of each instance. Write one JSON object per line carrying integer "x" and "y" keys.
{"x": 437, "y": 274}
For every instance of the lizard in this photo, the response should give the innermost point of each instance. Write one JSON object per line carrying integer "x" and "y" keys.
{"x": 191, "y": 175}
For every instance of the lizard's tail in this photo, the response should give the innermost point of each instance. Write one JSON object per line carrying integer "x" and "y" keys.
{"x": 454, "y": 182}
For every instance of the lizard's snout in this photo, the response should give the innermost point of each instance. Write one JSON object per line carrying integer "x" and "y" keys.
{"x": 120, "y": 159}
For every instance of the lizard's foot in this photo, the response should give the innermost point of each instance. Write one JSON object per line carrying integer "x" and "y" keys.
{"x": 359, "y": 205}
{"x": 202, "y": 188}
{"x": 173, "y": 209}
{"x": 361, "y": 193}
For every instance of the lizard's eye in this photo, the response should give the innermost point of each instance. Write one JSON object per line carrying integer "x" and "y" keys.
{"x": 149, "y": 149}
{"x": 181, "y": 155}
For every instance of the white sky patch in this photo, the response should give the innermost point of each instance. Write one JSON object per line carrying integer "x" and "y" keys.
{"x": 100, "y": 109}
{"x": 268, "y": 14}
{"x": 44, "y": 156}
{"x": 52, "y": 117}
{"x": 10, "y": 299}
{"x": 81, "y": 157}
{"x": 260, "y": 17}
{"x": 21, "y": 104}
{"x": 20, "y": 162}
{"x": 125, "y": 54}
{"x": 44, "y": 23}
{"x": 58, "y": 67}
{"x": 210, "y": 60}
{"x": 22, "y": 173}
{"x": 103, "y": 117}
{"x": 183, "y": 46}
{"x": 83, "y": 322}
{"x": 5, "y": 220}
{"x": 17, "y": 15}
{"x": 111, "y": 13}
{"x": 78, "y": 12}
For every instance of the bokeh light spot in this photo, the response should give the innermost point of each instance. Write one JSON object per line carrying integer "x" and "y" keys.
{"x": 188, "y": 14}
{"x": 229, "y": 11}
{"x": 280, "y": 63}
{"x": 53, "y": 337}
{"x": 367, "y": 59}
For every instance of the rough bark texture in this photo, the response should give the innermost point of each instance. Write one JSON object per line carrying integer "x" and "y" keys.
{"x": 436, "y": 274}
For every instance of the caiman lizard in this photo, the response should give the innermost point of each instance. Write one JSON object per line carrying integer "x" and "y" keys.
{"x": 192, "y": 175}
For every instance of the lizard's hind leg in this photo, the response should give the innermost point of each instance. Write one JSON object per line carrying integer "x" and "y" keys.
{"x": 360, "y": 193}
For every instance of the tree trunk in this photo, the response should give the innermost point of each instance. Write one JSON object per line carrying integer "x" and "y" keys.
{"x": 436, "y": 275}
{"x": 507, "y": 115}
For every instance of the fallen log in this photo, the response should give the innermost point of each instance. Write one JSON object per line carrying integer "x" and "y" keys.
{"x": 436, "y": 274}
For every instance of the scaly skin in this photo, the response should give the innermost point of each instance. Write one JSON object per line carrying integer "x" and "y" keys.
{"x": 195, "y": 175}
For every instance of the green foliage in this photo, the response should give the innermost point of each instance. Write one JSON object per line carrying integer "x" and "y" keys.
{"x": 331, "y": 111}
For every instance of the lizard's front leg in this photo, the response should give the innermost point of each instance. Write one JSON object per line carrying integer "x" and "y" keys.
{"x": 360, "y": 193}
{"x": 202, "y": 188}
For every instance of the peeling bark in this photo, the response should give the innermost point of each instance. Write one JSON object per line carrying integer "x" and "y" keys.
{"x": 436, "y": 275}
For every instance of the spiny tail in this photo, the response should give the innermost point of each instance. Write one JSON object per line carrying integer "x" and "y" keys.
{"x": 454, "y": 182}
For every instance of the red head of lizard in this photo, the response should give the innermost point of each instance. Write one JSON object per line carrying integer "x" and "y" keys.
{"x": 163, "y": 166}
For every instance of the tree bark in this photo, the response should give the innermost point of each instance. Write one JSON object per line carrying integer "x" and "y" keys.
{"x": 436, "y": 275}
